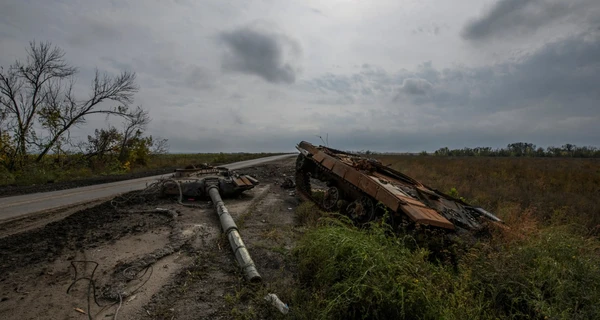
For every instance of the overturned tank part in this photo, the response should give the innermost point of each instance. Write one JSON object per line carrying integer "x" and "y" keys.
{"x": 214, "y": 182}
{"x": 364, "y": 189}
{"x": 191, "y": 182}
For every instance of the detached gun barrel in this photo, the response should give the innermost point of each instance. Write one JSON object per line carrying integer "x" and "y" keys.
{"x": 242, "y": 256}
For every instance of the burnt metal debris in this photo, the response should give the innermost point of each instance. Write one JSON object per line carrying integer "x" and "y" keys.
{"x": 214, "y": 182}
{"x": 364, "y": 189}
{"x": 192, "y": 182}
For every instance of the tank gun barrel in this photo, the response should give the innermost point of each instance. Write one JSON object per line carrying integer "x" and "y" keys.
{"x": 242, "y": 256}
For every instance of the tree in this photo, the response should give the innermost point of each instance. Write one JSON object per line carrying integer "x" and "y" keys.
{"x": 442, "y": 152}
{"x": 520, "y": 149}
{"x": 62, "y": 111}
{"x": 103, "y": 142}
{"x": 40, "y": 90}
{"x": 568, "y": 148}
{"x": 129, "y": 145}
{"x": 160, "y": 146}
{"x": 134, "y": 126}
{"x": 23, "y": 89}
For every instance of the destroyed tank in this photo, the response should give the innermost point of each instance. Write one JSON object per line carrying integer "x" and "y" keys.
{"x": 364, "y": 189}
{"x": 193, "y": 182}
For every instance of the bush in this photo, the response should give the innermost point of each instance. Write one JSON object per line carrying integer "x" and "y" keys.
{"x": 354, "y": 274}
{"x": 520, "y": 273}
{"x": 6, "y": 177}
{"x": 308, "y": 213}
{"x": 552, "y": 274}
{"x": 35, "y": 174}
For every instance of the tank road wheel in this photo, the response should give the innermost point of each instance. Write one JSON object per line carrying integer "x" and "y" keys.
{"x": 361, "y": 210}
{"x": 331, "y": 197}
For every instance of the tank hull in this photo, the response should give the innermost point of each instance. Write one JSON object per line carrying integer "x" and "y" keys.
{"x": 364, "y": 189}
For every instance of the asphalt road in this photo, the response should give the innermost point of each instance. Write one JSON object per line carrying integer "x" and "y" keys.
{"x": 12, "y": 207}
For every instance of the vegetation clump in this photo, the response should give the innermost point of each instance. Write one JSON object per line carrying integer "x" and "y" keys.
{"x": 545, "y": 264}
{"x": 349, "y": 273}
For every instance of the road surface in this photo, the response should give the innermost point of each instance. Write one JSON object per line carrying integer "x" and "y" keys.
{"x": 12, "y": 207}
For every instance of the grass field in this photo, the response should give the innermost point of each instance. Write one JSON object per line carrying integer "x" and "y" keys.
{"x": 77, "y": 167}
{"x": 553, "y": 190}
{"x": 546, "y": 265}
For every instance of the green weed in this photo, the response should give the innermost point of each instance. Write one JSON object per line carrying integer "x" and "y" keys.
{"x": 308, "y": 214}
{"x": 366, "y": 274}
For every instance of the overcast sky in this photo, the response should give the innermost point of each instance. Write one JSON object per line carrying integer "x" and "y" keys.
{"x": 382, "y": 75}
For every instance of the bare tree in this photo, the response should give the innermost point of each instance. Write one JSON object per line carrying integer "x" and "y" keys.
{"x": 134, "y": 126}
{"x": 22, "y": 89}
{"x": 62, "y": 110}
{"x": 160, "y": 146}
{"x": 41, "y": 89}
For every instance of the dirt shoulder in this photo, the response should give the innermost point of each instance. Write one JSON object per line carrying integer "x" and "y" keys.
{"x": 137, "y": 262}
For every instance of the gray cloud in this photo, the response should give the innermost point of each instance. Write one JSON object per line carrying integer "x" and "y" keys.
{"x": 317, "y": 11}
{"x": 560, "y": 72}
{"x": 555, "y": 88}
{"x": 199, "y": 78}
{"x": 416, "y": 86}
{"x": 116, "y": 64}
{"x": 536, "y": 81}
{"x": 432, "y": 29}
{"x": 237, "y": 117}
{"x": 269, "y": 55}
{"x": 518, "y": 17}
{"x": 91, "y": 31}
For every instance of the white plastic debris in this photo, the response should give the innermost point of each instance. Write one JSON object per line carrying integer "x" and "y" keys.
{"x": 274, "y": 300}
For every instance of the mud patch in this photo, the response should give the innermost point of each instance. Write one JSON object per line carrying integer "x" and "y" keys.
{"x": 170, "y": 263}
{"x": 85, "y": 229}
{"x": 212, "y": 287}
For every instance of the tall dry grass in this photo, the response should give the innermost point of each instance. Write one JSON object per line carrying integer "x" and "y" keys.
{"x": 555, "y": 191}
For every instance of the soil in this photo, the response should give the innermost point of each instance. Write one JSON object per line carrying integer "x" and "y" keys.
{"x": 140, "y": 262}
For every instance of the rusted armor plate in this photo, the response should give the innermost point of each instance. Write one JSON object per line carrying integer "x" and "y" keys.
{"x": 426, "y": 216}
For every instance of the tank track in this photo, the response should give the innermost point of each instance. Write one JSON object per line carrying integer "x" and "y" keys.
{"x": 304, "y": 167}
{"x": 303, "y": 187}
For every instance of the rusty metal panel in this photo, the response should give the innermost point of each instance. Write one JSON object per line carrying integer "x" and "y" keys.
{"x": 426, "y": 216}
{"x": 246, "y": 181}
{"x": 340, "y": 169}
{"x": 387, "y": 198}
{"x": 369, "y": 186}
{"x": 328, "y": 162}
{"x": 412, "y": 201}
{"x": 393, "y": 189}
{"x": 429, "y": 192}
{"x": 388, "y": 178}
{"x": 353, "y": 177}
{"x": 319, "y": 156}
{"x": 239, "y": 182}
{"x": 309, "y": 147}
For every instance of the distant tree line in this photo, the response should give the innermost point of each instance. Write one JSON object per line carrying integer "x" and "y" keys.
{"x": 522, "y": 149}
